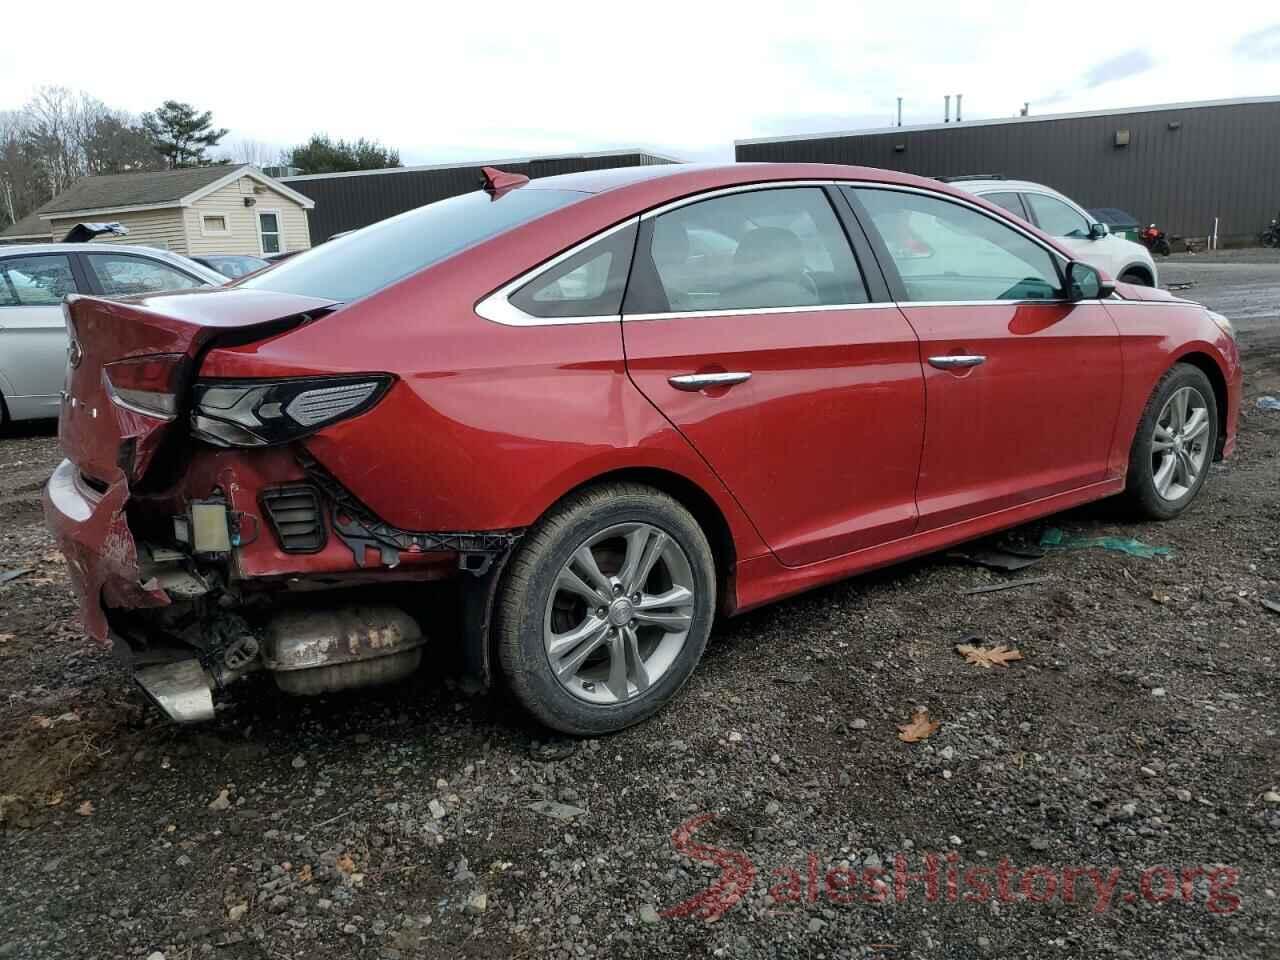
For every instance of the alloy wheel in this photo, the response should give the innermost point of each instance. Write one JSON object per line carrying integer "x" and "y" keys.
{"x": 1180, "y": 444}
{"x": 619, "y": 613}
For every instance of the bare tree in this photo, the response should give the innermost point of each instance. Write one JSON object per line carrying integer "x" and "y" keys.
{"x": 257, "y": 152}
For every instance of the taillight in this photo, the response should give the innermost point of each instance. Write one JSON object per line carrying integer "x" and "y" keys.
{"x": 147, "y": 385}
{"x": 259, "y": 413}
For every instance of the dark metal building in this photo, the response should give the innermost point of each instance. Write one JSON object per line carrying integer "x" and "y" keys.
{"x": 1177, "y": 165}
{"x": 345, "y": 201}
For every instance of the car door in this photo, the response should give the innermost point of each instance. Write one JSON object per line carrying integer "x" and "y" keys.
{"x": 33, "y": 335}
{"x": 128, "y": 274}
{"x": 1023, "y": 385}
{"x": 750, "y": 323}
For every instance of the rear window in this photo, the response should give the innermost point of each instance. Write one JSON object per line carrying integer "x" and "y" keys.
{"x": 353, "y": 266}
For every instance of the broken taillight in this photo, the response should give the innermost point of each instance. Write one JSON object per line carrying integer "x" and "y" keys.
{"x": 258, "y": 413}
{"x": 147, "y": 385}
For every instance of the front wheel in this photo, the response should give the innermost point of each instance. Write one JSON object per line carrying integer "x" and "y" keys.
{"x": 1174, "y": 445}
{"x": 1162, "y": 248}
{"x": 606, "y": 609}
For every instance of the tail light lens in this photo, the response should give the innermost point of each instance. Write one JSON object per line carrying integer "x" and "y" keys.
{"x": 147, "y": 385}
{"x": 259, "y": 413}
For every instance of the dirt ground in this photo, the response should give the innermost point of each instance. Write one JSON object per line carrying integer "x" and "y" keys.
{"x": 1115, "y": 790}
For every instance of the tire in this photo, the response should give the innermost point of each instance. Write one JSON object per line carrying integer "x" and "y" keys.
{"x": 1162, "y": 248}
{"x": 1151, "y": 492}
{"x": 1132, "y": 276}
{"x": 636, "y": 665}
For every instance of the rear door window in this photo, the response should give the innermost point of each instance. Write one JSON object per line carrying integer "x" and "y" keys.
{"x": 1009, "y": 201}
{"x": 123, "y": 275}
{"x": 755, "y": 250}
{"x": 1057, "y": 218}
{"x": 353, "y": 266}
{"x": 35, "y": 281}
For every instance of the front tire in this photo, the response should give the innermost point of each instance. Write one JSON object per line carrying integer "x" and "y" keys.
{"x": 606, "y": 608}
{"x": 1134, "y": 277}
{"x": 1174, "y": 445}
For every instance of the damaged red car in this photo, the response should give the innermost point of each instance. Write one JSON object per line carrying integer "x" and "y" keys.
{"x": 556, "y": 428}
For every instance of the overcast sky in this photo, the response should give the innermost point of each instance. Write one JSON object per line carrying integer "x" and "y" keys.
{"x": 492, "y": 78}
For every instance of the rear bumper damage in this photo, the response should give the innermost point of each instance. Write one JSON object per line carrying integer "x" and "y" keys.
{"x": 262, "y": 562}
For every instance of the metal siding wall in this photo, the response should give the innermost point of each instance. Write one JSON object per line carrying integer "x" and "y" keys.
{"x": 1221, "y": 162}
{"x": 346, "y": 203}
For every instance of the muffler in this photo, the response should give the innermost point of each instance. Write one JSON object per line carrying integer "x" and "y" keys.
{"x": 319, "y": 651}
{"x": 181, "y": 689}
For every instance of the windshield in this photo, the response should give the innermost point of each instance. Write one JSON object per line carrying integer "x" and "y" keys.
{"x": 350, "y": 267}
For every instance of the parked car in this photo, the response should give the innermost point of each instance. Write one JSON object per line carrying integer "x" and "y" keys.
{"x": 1078, "y": 232}
{"x": 1121, "y": 223}
{"x": 33, "y": 280}
{"x": 605, "y": 408}
{"x": 233, "y": 265}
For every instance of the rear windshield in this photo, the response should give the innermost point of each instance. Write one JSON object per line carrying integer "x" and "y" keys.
{"x": 353, "y": 266}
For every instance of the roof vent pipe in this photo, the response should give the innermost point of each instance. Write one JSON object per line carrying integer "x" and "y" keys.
{"x": 946, "y": 118}
{"x": 958, "y": 96}
{"x": 899, "y": 111}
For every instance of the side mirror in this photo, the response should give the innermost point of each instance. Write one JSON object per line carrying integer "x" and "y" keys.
{"x": 1087, "y": 283}
{"x": 1098, "y": 231}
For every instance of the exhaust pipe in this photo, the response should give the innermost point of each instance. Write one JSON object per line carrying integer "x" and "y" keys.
{"x": 181, "y": 689}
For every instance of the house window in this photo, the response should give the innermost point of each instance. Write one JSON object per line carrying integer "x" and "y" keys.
{"x": 213, "y": 224}
{"x": 269, "y": 230}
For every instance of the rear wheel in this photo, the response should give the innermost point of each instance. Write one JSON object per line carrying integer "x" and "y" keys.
{"x": 1174, "y": 445}
{"x": 606, "y": 609}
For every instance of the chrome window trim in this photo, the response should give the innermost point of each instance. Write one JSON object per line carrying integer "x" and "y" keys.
{"x": 736, "y": 188}
{"x": 756, "y": 311}
{"x": 496, "y": 307}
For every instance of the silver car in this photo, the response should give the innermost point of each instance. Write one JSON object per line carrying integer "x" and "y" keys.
{"x": 33, "y": 280}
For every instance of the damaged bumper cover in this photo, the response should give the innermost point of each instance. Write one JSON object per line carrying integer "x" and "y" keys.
{"x": 93, "y": 534}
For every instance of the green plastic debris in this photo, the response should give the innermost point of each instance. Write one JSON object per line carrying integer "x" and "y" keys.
{"x": 1053, "y": 537}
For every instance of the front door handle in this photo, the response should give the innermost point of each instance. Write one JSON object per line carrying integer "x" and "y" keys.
{"x": 955, "y": 361}
{"x": 694, "y": 382}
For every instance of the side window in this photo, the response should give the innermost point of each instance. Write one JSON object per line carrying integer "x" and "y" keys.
{"x": 35, "y": 281}
{"x": 588, "y": 284}
{"x": 122, "y": 275}
{"x": 1056, "y": 218}
{"x": 1010, "y": 202}
{"x": 950, "y": 252}
{"x": 755, "y": 250}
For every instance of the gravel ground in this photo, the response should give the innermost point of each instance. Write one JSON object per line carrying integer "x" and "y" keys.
{"x": 1138, "y": 732}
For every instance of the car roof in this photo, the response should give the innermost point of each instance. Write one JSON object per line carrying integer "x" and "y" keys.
{"x": 987, "y": 186}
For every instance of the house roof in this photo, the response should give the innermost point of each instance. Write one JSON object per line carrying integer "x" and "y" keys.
{"x": 120, "y": 192}
{"x": 29, "y": 226}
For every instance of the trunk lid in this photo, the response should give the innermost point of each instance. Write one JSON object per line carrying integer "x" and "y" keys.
{"x": 106, "y": 440}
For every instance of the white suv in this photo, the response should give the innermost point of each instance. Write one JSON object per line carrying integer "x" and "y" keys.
{"x": 1060, "y": 217}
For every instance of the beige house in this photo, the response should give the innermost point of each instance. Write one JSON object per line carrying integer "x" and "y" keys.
{"x": 193, "y": 211}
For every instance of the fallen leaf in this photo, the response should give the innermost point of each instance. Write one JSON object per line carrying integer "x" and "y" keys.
{"x": 346, "y": 864}
{"x": 1159, "y": 597}
{"x": 919, "y": 728}
{"x": 55, "y": 798}
{"x": 85, "y": 809}
{"x": 41, "y": 723}
{"x": 8, "y": 637}
{"x": 988, "y": 657}
{"x": 304, "y": 875}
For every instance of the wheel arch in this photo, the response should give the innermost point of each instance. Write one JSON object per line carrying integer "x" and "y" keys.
{"x": 1139, "y": 268}
{"x": 1218, "y": 380}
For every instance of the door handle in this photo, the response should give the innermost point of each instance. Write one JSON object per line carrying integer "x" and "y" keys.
{"x": 955, "y": 361}
{"x": 694, "y": 382}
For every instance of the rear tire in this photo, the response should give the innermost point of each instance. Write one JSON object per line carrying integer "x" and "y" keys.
{"x": 605, "y": 609}
{"x": 1174, "y": 446}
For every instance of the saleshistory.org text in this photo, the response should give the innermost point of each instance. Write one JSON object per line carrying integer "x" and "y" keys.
{"x": 944, "y": 878}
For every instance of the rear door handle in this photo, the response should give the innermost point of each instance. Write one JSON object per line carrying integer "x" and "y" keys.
{"x": 694, "y": 382}
{"x": 954, "y": 361}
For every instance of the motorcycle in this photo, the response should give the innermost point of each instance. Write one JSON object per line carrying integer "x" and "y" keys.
{"x": 1270, "y": 237}
{"x": 1154, "y": 239}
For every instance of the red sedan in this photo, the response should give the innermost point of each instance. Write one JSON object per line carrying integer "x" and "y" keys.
{"x": 606, "y": 407}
